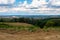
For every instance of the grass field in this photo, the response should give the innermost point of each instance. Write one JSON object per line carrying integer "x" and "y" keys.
{"x": 24, "y": 31}
{"x": 15, "y": 27}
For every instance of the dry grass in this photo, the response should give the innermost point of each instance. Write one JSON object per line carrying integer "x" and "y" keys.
{"x": 24, "y": 35}
{"x": 19, "y": 24}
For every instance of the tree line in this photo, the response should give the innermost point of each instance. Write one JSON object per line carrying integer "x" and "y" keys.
{"x": 37, "y": 22}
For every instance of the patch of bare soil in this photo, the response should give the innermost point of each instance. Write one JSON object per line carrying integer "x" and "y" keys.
{"x": 25, "y": 35}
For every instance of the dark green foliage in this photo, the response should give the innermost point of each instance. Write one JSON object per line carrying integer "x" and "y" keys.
{"x": 4, "y": 26}
{"x": 42, "y": 23}
{"x": 53, "y": 23}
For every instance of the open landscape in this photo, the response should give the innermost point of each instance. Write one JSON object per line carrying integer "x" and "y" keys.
{"x": 29, "y": 29}
{"x": 29, "y": 19}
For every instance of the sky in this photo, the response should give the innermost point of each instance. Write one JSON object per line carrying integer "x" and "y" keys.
{"x": 29, "y": 7}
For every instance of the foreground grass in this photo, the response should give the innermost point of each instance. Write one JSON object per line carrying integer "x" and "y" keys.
{"x": 24, "y": 27}
{"x": 7, "y": 26}
{"x": 55, "y": 28}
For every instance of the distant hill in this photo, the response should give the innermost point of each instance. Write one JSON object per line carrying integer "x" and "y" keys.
{"x": 30, "y": 16}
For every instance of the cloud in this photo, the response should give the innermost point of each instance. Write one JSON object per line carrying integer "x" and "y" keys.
{"x": 3, "y": 9}
{"x": 38, "y": 3}
{"x": 55, "y": 2}
{"x": 36, "y": 7}
{"x": 34, "y": 3}
{"x": 7, "y": 1}
{"x": 44, "y": 11}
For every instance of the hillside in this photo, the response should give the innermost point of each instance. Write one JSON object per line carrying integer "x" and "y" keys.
{"x": 35, "y": 29}
{"x": 27, "y": 32}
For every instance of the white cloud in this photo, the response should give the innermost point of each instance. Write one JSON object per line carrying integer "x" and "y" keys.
{"x": 7, "y": 1}
{"x": 55, "y": 2}
{"x": 40, "y": 5}
{"x": 3, "y": 9}
{"x": 44, "y": 11}
{"x": 35, "y": 3}
{"x": 40, "y": 10}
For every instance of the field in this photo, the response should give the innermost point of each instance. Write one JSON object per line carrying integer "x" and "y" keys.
{"x": 29, "y": 29}
{"x": 52, "y": 35}
{"x": 24, "y": 31}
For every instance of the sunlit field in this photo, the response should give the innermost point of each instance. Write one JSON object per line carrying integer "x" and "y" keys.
{"x": 29, "y": 29}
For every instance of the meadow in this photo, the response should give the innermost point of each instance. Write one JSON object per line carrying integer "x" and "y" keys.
{"x": 29, "y": 29}
{"x": 29, "y": 24}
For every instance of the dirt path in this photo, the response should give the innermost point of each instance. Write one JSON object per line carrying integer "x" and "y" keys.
{"x": 30, "y": 36}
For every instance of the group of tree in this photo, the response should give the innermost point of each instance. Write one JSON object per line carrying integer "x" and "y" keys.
{"x": 37, "y": 22}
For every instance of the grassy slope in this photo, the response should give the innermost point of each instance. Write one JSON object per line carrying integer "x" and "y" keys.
{"x": 15, "y": 27}
{"x": 52, "y": 24}
{"x": 7, "y": 31}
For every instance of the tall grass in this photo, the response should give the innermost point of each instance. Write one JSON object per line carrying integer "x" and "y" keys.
{"x": 4, "y": 26}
